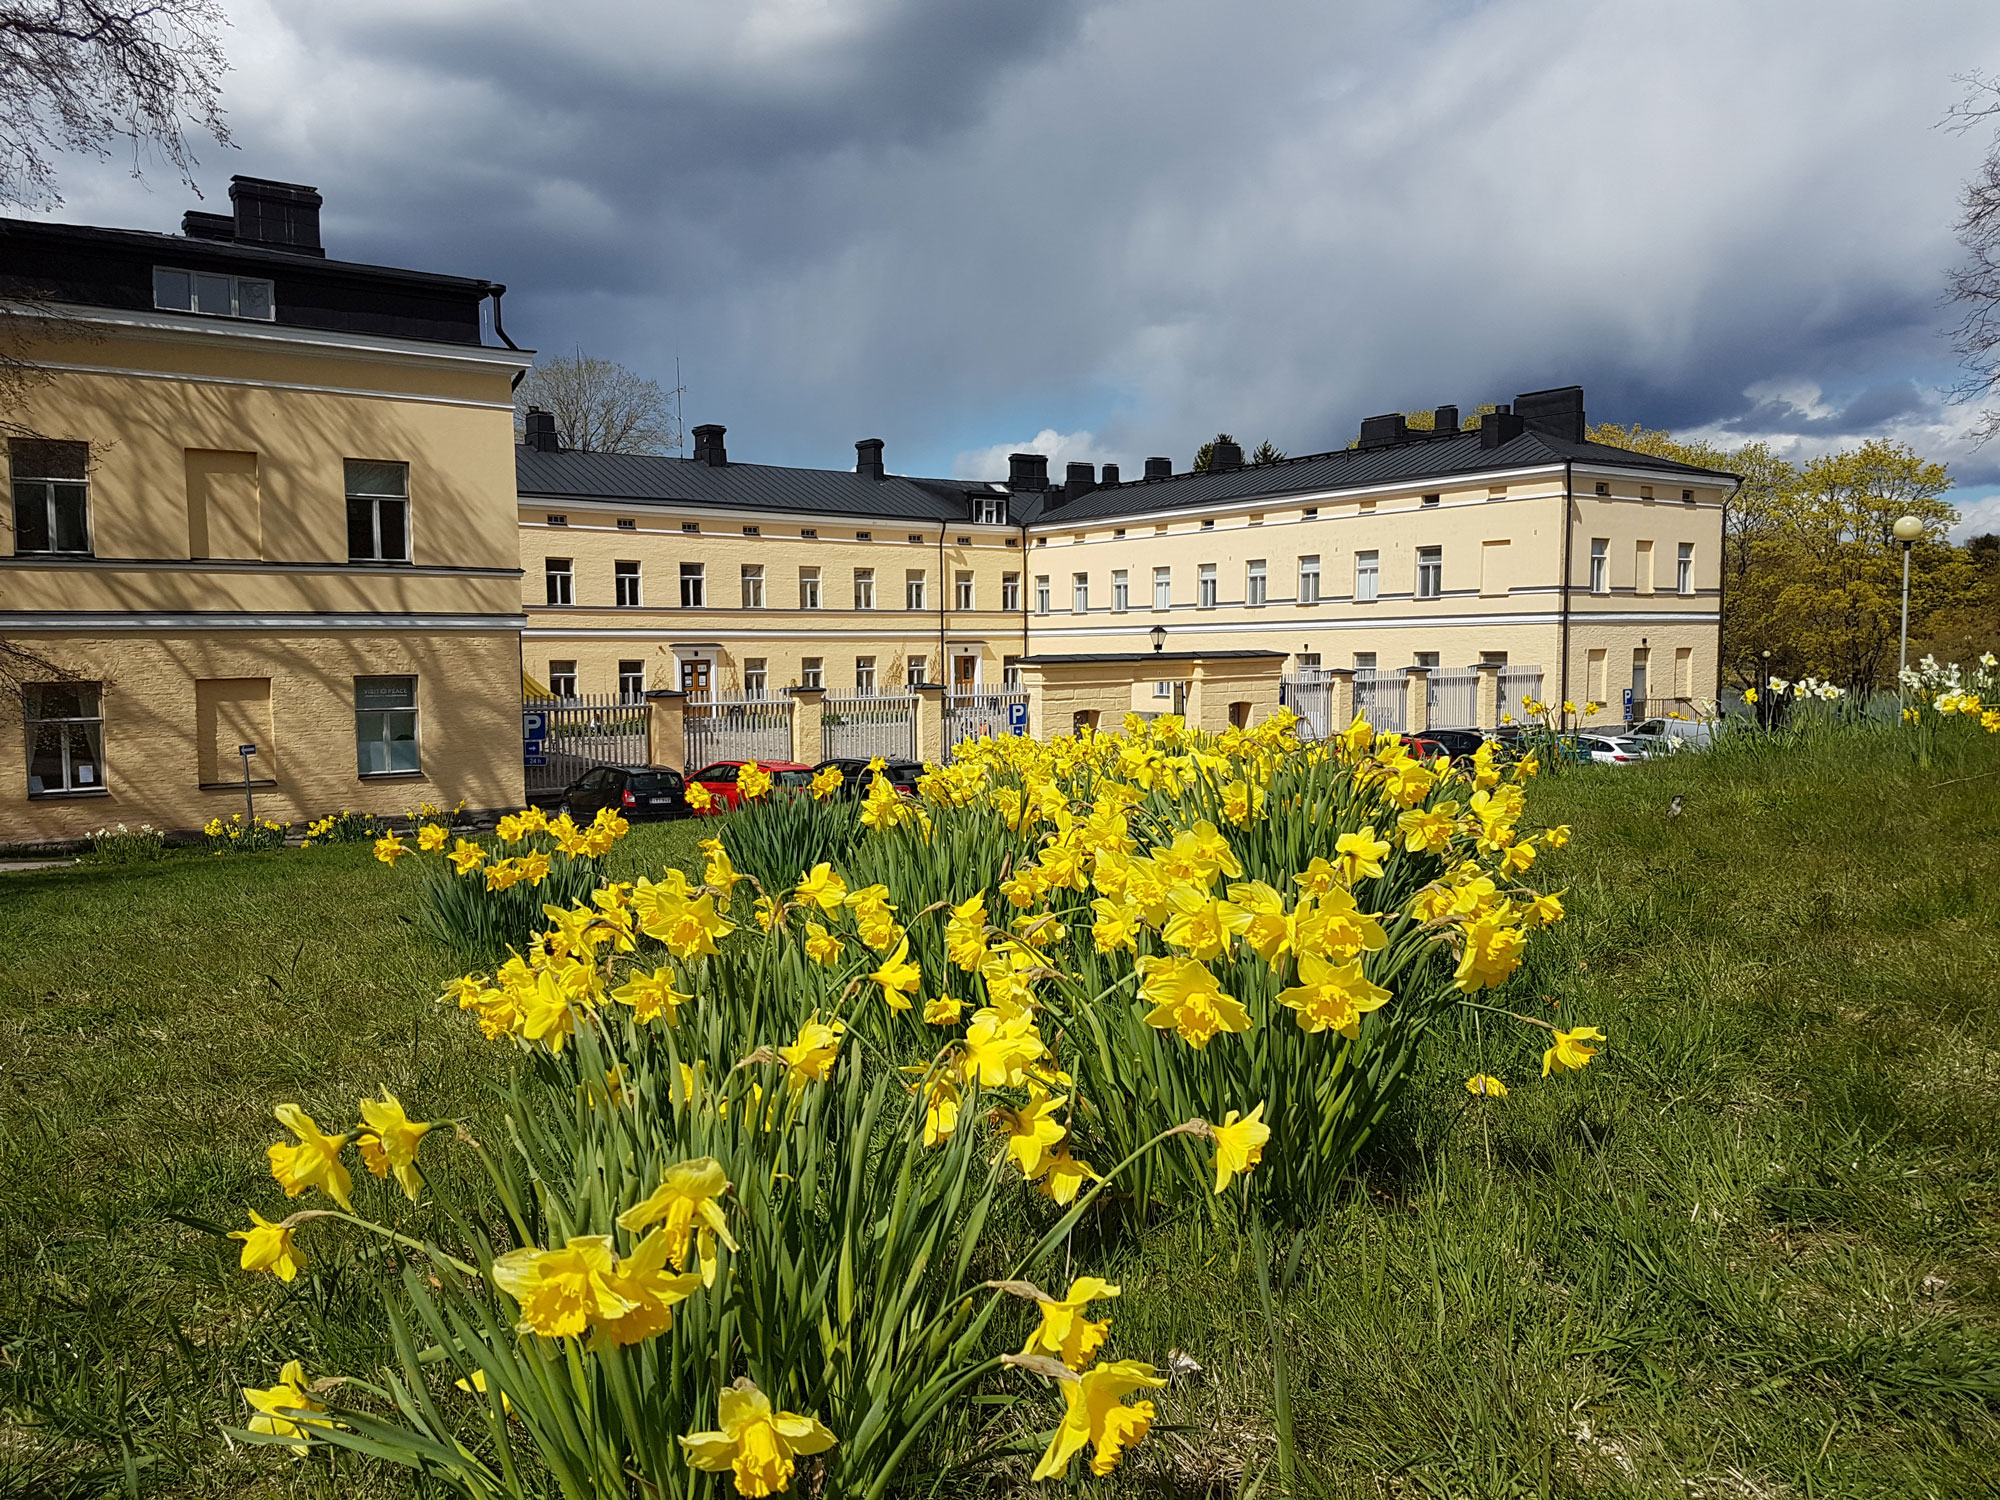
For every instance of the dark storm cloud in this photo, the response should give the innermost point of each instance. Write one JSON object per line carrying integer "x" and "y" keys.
{"x": 1111, "y": 227}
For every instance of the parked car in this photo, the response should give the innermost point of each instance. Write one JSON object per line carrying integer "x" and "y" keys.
{"x": 902, "y": 775}
{"x": 719, "y": 780}
{"x": 1665, "y": 736}
{"x": 1610, "y": 749}
{"x": 1459, "y": 744}
{"x": 634, "y": 793}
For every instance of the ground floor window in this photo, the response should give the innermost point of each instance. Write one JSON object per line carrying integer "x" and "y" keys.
{"x": 562, "y": 678}
{"x": 812, "y": 672}
{"x": 65, "y": 737}
{"x": 385, "y": 725}
{"x": 1010, "y": 671}
{"x": 631, "y": 679}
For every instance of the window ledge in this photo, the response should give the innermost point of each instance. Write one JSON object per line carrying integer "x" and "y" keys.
{"x": 236, "y": 786}
{"x": 80, "y": 792}
{"x": 390, "y": 776}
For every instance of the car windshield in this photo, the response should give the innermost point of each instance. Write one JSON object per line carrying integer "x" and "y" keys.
{"x": 716, "y": 773}
{"x": 653, "y": 781}
{"x": 792, "y": 778}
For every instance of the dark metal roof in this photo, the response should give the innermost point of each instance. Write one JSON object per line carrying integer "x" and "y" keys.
{"x": 1348, "y": 468}
{"x": 645, "y": 479}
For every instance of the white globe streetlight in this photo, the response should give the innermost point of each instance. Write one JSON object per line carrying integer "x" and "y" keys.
{"x": 1907, "y": 531}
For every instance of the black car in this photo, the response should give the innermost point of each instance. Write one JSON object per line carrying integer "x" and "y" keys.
{"x": 1459, "y": 744}
{"x": 631, "y": 792}
{"x": 854, "y": 776}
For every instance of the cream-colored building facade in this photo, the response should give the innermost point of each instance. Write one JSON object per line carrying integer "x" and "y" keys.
{"x": 1519, "y": 542}
{"x": 259, "y": 498}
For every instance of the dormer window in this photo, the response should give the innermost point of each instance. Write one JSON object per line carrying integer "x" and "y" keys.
{"x": 989, "y": 511}
{"x": 211, "y": 294}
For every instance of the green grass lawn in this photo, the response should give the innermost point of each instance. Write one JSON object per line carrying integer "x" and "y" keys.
{"x": 1749, "y": 1252}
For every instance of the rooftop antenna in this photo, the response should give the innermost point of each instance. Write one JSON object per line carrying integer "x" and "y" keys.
{"x": 680, "y": 426}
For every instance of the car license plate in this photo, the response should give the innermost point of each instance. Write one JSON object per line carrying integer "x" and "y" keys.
{"x": 656, "y": 801}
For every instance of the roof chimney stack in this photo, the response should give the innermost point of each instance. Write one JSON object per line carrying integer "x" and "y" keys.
{"x": 868, "y": 458}
{"x": 277, "y": 215}
{"x": 1498, "y": 426}
{"x": 197, "y": 225}
{"x": 1110, "y": 475}
{"x": 1225, "y": 458}
{"x": 1159, "y": 468}
{"x": 1081, "y": 481}
{"x": 541, "y": 431}
{"x": 1027, "y": 471}
{"x": 1559, "y": 412}
{"x": 1444, "y": 421}
{"x": 1385, "y": 431}
{"x": 708, "y": 447}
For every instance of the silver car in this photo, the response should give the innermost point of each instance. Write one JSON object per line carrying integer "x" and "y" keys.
{"x": 1611, "y": 750}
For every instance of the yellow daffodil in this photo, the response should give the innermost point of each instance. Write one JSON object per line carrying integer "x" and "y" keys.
{"x": 389, "y": 849}
{"x": 645, "y": 1279}
{"x": 1493, "y": 950}
{"x": 313, "y": 1162}
{"x": 825, "y": 783}
{"x": 943, "y": 1011}
{"x": 268, "y": 1247}
{"x": 810, "y": 1058}
{"x": 1186, "y": 998}
{"x": 941, "y": 1101}
{"x": 1570, "y": 1051}
{"x": 466, "y": 857}
{"x": 821, "y": 887}
{"x": 1239, "y": 1145}
{"x": 1063, "y": 1176}
{"x": 1486, "y": 1086}
{"x": 687, "y": 1205}
{"x": 1332, "y": 997}
{"x": 999, "y": 1047}
{"x": 1064, "y": 1332}
{"x": 431, "y": 838}
{"x": 822, "y": 947}
{"x": 699, "y": 797}
{"x": 898, "y": 977}
{"x": 753, "y": 781}
{"x": 757, "y": 1445}
{"x": 391, "y": 1145}
{"x": 651, "y": 996}
{"x": 562, "y": 1292}
{"x": 1033, "y": 1132}
{"x": 1200, "y": 924}
{"x": 1360, "y": 855}
{"x": 1094, "y": 1416}
{"x": 281, "y": 1409}
{"x": 720, "y": 873}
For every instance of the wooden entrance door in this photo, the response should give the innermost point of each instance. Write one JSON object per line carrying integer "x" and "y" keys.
{"x": 694, "y": 678}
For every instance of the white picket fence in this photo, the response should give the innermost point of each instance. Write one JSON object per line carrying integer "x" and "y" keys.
{"x": 736, "y": 726}
{"x": 866, "y": 725}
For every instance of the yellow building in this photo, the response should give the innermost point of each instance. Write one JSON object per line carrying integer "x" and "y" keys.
{"x": 1585, "y": 571}
{"x": 259, "y": 498}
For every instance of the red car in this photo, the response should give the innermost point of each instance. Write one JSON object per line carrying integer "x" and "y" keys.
{"x": 720, "y": 779}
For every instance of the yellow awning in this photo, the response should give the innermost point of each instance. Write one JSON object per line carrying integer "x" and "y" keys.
{"x": 532, "y": 690}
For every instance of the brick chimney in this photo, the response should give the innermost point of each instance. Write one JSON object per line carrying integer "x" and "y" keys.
{"x": 708, "y": 447}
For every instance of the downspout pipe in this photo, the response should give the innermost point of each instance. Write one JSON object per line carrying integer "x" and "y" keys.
{"x": 1569, "y": 488}
{"x": 944, "y": 662}
{"x": 496, "y": 291}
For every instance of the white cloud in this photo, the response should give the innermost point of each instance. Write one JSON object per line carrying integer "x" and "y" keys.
{"x": 1060, "y": 448}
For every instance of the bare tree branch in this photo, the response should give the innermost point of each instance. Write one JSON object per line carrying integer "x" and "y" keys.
{"x": 1975, "y": 285}
{"x": 599, "y": 407}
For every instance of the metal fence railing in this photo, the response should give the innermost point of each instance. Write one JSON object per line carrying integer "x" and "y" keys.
{"x": 561, "y": 738}
{"x": 1453, "y": 697}
{"x": 736, "y": 726}
{"x": 972, "y": 715}
{"x": 1309, "y": 694}
{"x": 1517, "y": 685}
{"x": 868, "y": 725}
{"x": 1382, "y": 699}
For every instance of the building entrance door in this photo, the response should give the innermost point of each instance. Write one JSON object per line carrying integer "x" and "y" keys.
{"x": 963, "y": 670}
{"x": 694, "y": 678}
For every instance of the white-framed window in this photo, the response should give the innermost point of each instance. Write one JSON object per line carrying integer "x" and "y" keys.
{"x": 212, "y": 294}
{"x": 561, "y": 520}
{"x": 812, "y": 671}
{"x": 1121, "y": 591}
{"x": 558, "y": 580}
{"x": 809, "y": 588}
{"x": 756, "y": 675}
{"x": 753, "y": 531}
{"x": 1684, "y": 569}
{"x": 65, "y": 734}
{"x": 378, "y": 511}
{"x": 1308, "y": 661}
{"x": 625, "y": 523}
{"x": 1367, "y": 577}
{"x": 1208, "y": 525}
{"x": 562, "y": 678}
{"x": 989, "y": 510}
{"x": 1254, "y": 582}
{"x": 753, "y": 585}
{"x": 1427, "y": 659}
{"x": 625, "y": 580}
{"x": 692, "y": 528}
{"x": 1364, "y": 661}
{"x": 1163, "y": 688}
{"x": 864, "y": 676}
{"x": 385, "y": 723}
{"x": 1010, "y": 671}
{"x": 913, "y": 588}
{"x": 961, "y": 591}
{"x": 694, "y": 586}
{"x": 1429, "y": 500}
{"x": 864, "y": 536}
{"x": 631, "y": 680}
{"x": 51, "y": 496}
{"x": 1079, "y": 593}
{"x": 1430, "y": 572}
{"x": 864, "y": 589}
{"x": 1309, "y": 579}
{"x": 1600, "y": 565}
{"x": 1207, "y": 590}
{"x": 1010, "y": 591}
{"x": 1163, "y": 588}
{"x": 1042, "y": 601}
{"x": 916, "y": 670}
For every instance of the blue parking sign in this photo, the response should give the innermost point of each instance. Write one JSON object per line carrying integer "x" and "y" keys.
{"x": 1017, "y": 718}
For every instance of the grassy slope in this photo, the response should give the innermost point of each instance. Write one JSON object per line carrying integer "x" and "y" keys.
{"x": 1750, "y": 1251}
